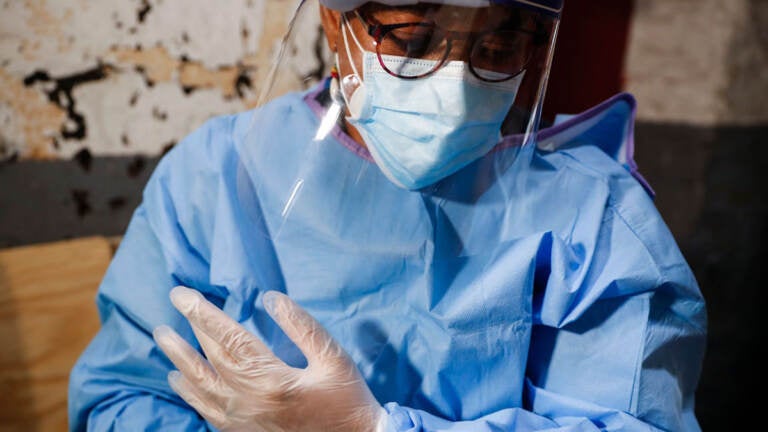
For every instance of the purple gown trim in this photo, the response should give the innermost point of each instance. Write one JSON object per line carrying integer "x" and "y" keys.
{"x": 512, "y": 140}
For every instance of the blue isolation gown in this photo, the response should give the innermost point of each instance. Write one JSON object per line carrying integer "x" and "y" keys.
{"x": 537, "y": 289}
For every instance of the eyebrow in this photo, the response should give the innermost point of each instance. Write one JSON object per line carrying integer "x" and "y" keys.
{"x": 397, "y": 12}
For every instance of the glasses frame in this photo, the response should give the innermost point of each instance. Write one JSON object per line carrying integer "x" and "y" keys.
{"x": 378, "y": 31}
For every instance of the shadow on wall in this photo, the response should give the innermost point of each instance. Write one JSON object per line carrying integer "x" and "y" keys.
{"x": 708, "y": 182}
{"x": 43, "y": 201}
{"x": 727, "y": 253}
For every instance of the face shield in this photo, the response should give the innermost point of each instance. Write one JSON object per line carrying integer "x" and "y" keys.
{"x": 398, "y": 97}
{"x": 424, "y": 89}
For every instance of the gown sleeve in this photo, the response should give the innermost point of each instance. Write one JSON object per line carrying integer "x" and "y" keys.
{"x": 119, "y": 382}
{"x": 619, "y": 331}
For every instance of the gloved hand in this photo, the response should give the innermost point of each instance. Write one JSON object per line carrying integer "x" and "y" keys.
{"x": 244, "y": 386}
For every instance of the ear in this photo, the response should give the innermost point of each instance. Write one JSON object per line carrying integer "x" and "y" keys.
{"x": 331, "y": 21}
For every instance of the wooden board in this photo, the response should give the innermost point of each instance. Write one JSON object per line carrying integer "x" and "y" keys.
{"x": 47, "y": 318}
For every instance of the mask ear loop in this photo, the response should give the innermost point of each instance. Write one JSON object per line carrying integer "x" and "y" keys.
{"x": 338, "y": 95}
{"x": 345, "y": 23}
{"x": 345, "y": 26}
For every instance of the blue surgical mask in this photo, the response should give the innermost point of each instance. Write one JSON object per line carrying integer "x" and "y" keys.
{"x": 421, "y": 131}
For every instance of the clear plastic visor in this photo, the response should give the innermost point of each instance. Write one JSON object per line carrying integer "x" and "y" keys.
{"x": 503, "y": 50}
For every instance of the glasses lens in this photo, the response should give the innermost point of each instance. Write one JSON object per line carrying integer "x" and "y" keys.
{"x": 423, "y": 43}
{"x": 498, "y": 56}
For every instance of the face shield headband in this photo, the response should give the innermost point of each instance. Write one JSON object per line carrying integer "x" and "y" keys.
{"x": 550, "y": 7}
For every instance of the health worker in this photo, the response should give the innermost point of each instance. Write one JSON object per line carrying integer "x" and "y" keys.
{"x": 400, "y": 248}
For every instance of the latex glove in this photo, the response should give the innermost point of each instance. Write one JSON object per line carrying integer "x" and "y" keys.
{"x": 244, "y": 386}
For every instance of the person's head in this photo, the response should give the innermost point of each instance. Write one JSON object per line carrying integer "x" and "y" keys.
{"x": 428, "y": 87}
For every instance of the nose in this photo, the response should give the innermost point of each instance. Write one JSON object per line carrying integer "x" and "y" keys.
{"x": 460, "y": 47}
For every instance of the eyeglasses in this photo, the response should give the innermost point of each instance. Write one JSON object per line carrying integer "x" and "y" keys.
{"x": 495, "y": 55}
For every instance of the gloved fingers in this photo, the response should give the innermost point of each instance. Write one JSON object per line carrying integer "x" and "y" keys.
{"x": 219, "y": 359}
{"x": 198, "y": 399}
{"x": 310, "y": 336}
{"x": 241, "y": 346}
{"x": 236, "y": 373}
{"x": 189, "y": 362}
